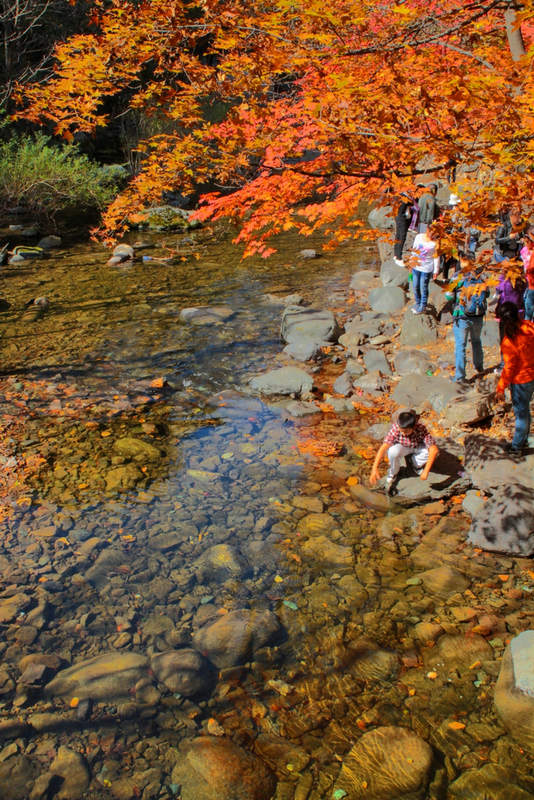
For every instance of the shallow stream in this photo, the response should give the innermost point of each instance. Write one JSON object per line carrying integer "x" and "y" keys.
{"x": 164, "y": 501}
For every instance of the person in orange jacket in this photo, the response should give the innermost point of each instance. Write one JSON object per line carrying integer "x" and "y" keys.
{"x": 517, "y": 349}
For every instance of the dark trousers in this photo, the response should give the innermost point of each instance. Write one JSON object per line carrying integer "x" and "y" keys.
{"x": 401, "y": 232}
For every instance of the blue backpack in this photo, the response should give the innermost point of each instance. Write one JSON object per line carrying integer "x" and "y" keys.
{"x": 471, "y": 304}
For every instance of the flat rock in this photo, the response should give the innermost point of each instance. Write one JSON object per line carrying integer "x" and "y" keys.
{"x": 514, "y": 691}
{"x": 389, "y": 763}
{"x": 233, "y": 638}
{"x": 443, "y": 581}
{"x": 486, "y": 461}
{"x": 303, "y": 350}
{"x": 366, "y": 497}
{"x": 505, "y": 523}
{"x": 414, "y": 390}
{"x": 217, "y": 769}
{"x": 309, "y": 324}
{"x": 387, "y": 299}
{"x": 315, "y": 523}
{"x": 312, "y": 504}
{"x": 207, "y": 315}
{"x": 183, "y": 671}
{"x": 458, "y": 652}
{"x": 104, "y": 677}
{"x": 286, "y": 380}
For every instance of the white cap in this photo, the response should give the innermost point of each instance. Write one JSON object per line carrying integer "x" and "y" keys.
{"x": 454, "y": 200}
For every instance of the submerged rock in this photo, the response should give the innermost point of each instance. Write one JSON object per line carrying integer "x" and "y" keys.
{"x": 389, "y": 763}
{"x": 183, "y": 671}
{"x": 136, "y": 449}
{"x": 105, "y": 677}
{"x": 207, "y": 315}
{"x": 123, "y": 478}
{"x": 491, "y": 781}
{"x": 308, "y": 325}
{"x": 72, "y": 768}
{"x": 217, "y": 769}
{"x": 286, "y": 380}
{"x": 233, "y": 638}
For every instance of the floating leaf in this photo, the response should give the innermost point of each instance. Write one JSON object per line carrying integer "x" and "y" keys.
{"x": 290, "y": 604}
{"x": 339, "y": 794}
{"x": 456, "y": 726}
{"x": 74, "y": 703}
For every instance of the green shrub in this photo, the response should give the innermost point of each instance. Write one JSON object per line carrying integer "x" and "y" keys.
{"x": 48, "y": 179}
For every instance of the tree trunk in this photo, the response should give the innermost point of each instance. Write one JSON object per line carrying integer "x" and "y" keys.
{"x": 515, "y": 37}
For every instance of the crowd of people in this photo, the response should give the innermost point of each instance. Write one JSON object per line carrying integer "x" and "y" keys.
{"x": 467, "y": 296}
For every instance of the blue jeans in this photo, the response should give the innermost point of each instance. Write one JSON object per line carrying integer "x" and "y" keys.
{"x": 521, "y": 397}
{"x": 529, "y": 304}
{"x": 420, "y": 288}
{"x": 465, "y": 327}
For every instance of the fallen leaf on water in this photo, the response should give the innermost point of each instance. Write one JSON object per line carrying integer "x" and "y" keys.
{"x": 432, "y": 675}
{"x": 278, "y": 579}
{"x": 353, "y": 480}
{"x": 214, "y": 728}
{"x": 74, "y": 703}
{"x": 503, "y": 578}
{"x": 456, "y": 726}
{"x": 104, "y": 434}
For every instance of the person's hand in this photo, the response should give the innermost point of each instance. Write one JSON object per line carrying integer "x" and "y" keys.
{"x": 375, "y": 476}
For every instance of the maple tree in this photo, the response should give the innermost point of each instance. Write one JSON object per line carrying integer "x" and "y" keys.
{"x": 324, "y": 106}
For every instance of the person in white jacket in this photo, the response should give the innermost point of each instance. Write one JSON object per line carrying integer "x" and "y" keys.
{"x": 424, "y": 261}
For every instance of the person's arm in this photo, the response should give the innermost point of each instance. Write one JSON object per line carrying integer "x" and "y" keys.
{"x": 510, "y": 358}
{"x": 433, "y": 451}
{"x": 382, "y": 450}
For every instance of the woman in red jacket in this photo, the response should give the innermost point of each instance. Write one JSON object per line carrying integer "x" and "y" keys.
{"x": 517, "y": 349}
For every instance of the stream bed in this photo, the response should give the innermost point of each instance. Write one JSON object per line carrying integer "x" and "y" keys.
{"x": 192, "y": 605}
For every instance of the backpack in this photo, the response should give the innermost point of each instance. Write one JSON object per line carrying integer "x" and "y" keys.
{"x": 471, "y": 304}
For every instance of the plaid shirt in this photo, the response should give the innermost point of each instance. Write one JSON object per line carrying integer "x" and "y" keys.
{"x": 415, "y": 439}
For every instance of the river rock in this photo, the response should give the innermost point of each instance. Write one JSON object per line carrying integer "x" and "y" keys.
{"x": 17, "y": 774}
{"x": 372, "y": 663}
{"x": 316, "y": 523}
{"x": 122, "y": 478}
{"x": 418, "y": 329}
{"x": 104, "y": 677}
{"x": 443, "y": 581}
{"x": 11, "y": 607}
{"x": 381, "y": 218}
{"x": 364, "y": 280}
{"x": 366, "y": 497}
{"x": 124, "y": 251}
{"x": 490, "y": 781}
{"x": 72, "y": 768}
{"x": 514, "y": 691}
{"x": 353, "y": 368}
{"x": 343, "y": 384}
{"x": 393, "y": 275}
{"x": 220, "y": 562}
{"x": 207, "y": 315}
{"x": 217, "y": 769}
{"x": 376, "y": 360}
{"x": 414, "y": 390}
{"x": 505, "y": 523}
{"x": 163, "y": 218}
{"x": 183, "y": 671}
{"x": 49, "y": 242}
{"x": 322, "y": 550}
{"x": 410, "y": 361}
{"x": 309, "y": 325}
{"x": 286, "y": 380}
{"x": 387, "y": 299}
{"x": 136, "y": 449}
{"x": 233, "y": 638}
{"x": 372, "y": 383}
{"x": 389, "y": 763}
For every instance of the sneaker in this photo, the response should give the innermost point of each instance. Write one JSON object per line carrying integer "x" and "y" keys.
{"x": 416, "y": 311}
{"x": 390, "y": 487}
{"x": 399, "y": 262}
{"x": 514, "y": 451}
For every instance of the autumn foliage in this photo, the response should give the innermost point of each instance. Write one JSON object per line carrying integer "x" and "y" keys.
{"x": 325, "y": 105}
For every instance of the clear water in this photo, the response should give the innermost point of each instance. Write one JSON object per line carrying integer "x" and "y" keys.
{"x": 134, "y": 571}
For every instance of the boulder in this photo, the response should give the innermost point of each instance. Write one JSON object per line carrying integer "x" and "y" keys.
{"x": 375, "y": 360}
{"x": 387, "y": 299}
{"x": 505, "y": 524}
{"x": 105, "y": 677}
{"x": 381, "y": 218}
{"x": 136, "y": 449}
{"x": 468, "y": 408}
{"x": 410, "y": 361}
{"x": 286, "y": 380}
{"x": 184, "y": 672}
{"x": 217, "y": 769}
{"x": 486, "y": 461}
{"x": 233, "y": 638}
{"x": 388, "y": 763}
{"x": 309, "y": 324}
{"x": 418, "y": 329}
{"x": 514, "y": 691}
{"x": 163, "y": 218}
{"x": 364, "y": 280}
{"x": 393, "y": 275}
